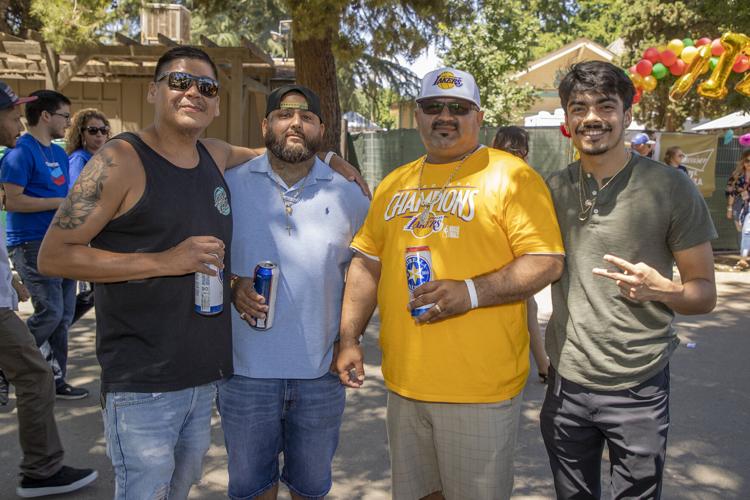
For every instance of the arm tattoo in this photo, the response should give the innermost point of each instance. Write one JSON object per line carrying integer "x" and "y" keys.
{"x": 86, "y": 192}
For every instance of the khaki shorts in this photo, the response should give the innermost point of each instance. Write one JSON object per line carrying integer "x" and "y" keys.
{"x": 464, "y": 450}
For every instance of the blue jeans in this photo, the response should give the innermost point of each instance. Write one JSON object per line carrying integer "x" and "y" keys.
{"x": 157, "y": 441}
{"x": 54, "y": 301}
{"x": 264, "y": 417}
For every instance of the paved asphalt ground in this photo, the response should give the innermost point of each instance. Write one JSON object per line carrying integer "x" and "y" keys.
{"x": 709, "y": 440}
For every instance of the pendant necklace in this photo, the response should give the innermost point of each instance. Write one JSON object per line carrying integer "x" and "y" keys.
{"x": 425, "y": 205}
{"x": 50, "y": 164}
{"x": 587, "y": 204}
{"x": 288, "y": 202}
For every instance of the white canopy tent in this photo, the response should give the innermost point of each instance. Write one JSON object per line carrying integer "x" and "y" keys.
{"x": 547, "y": 119}
{"x": 738, "y": 119}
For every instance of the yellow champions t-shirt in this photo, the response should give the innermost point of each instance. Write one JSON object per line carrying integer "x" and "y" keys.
{"x": 496, "y": 209}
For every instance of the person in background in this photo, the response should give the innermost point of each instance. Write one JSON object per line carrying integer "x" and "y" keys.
{"x": 34, "y": 175}
{"x": 673, "y": 157}
{"x": 88, "y": 132}
{"x": 42, "y": 469}
{"x": 643, "y": 145}
{"x": 738, "y": 199}
{"x": 515, "y": 141}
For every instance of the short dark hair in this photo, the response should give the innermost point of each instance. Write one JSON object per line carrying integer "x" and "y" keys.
{"x": 600, "y": 77}
{"x": 183, "y": 52}
{"x": 47, "y": 100}
{"x": 514, "y": 140}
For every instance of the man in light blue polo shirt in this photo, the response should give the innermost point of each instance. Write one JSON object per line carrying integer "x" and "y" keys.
{"x": 288, "y": 208}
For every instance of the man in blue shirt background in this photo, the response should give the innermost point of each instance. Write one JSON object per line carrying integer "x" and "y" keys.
{"x": 34, "y": 175}
{"x": 288, "y": 208}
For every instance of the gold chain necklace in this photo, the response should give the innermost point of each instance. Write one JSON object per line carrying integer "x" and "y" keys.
{"x": 586, "y": 203}
{"x": 288, "y": 204}
{"x": 425, "y": 205}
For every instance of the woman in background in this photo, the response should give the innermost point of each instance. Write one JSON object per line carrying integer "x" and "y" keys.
{"x": 673, "y": 157}
{"x": 515, "y": 141}
{"x": 88, "y": 132}
{"x": 738, "y": 199}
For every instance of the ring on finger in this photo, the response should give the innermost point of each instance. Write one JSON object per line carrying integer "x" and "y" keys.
{"x": 243, "y": 316}
{"x": 438, "y": 308}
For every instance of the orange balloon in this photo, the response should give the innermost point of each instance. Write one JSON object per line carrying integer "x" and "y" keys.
{"x": 637, "y": 80}
{"x": 715, "y": 86}
{"x": 649, "y": 83}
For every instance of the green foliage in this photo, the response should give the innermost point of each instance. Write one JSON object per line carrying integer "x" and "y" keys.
{"x": 648, "y": 23}
{"x": 226, "y": 22}
{"x": 71, "y": 23}
{"x": 492, "y": 48}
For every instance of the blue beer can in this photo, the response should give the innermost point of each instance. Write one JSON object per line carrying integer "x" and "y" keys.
{"x": 418, "y": 272}
{"x": 266, "y": 283}
{"x": 209, "y": 292}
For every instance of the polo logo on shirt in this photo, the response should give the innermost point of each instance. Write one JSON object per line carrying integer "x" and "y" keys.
{"x": 221, "y": 201}
{"x": 457, "y": 201}
{"x": 58, "y": 178}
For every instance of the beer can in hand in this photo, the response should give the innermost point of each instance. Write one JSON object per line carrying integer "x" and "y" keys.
{"x": 209, "y": 292}
{"x": 266, "y": 283}
{"x": 418, "y": 271}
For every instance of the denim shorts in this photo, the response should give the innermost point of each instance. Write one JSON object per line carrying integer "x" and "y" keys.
{"x": 262, "y": 418}
{"x": 157, "y": 441}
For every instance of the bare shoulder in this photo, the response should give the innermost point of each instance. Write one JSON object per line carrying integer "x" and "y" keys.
{"x": 219, "y": 151}
{"x": 103, "y": 183}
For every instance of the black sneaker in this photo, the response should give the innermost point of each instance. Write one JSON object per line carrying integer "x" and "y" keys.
{"x": 66, "y": 480}
{"x": 4, "y": 389}
{"x": 67, "y": 391}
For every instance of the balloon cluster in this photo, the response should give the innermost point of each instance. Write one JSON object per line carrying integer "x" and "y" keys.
{"x": 687, "y": 59}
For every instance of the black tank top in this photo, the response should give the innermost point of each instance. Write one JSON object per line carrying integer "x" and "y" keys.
{"x": 149, "y": 339}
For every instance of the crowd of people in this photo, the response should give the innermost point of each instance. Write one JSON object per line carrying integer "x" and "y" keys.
{"x": 151, "y": 208}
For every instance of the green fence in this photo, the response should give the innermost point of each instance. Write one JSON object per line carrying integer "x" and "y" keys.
{"x": 378, "y": 153}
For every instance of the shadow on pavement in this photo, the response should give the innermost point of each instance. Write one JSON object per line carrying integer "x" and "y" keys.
{"x": 708, "y": 448}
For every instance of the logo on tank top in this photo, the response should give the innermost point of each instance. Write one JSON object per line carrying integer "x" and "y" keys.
{"x": 221, "y": 201}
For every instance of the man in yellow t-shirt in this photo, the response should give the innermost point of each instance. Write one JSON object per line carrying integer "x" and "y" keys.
{"x": 494, "y": 241}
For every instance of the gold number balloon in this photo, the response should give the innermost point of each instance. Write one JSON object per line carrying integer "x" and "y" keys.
{"x": 715, "y": 86}
{"x": 698, "y": 66}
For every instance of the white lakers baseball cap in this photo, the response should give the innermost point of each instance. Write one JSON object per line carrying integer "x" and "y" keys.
{"x": 450, "y": 82}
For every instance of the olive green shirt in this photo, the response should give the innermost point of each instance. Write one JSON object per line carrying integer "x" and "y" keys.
{"x": 596, "y": 337}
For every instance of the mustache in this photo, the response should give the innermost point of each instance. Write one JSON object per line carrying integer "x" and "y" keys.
{"x": 444, "y": 123}
{"x": 595, "y": 126}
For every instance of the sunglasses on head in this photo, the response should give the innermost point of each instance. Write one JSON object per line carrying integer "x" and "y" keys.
{"x": 178, "y": 80}
{"x": 455, "y": 108}
{"x": 93, "y": 130}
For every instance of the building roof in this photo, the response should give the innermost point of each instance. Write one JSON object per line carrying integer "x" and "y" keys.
{"x": 733, "y": 120}
{"x": 575, "y": 48}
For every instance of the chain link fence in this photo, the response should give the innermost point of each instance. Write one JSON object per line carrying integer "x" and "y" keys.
{"x": 376, "y": 154}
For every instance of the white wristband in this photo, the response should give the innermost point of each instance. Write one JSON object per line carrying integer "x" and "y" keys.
{"x": 472, "y": 293}
{"x": 328, "y": 157}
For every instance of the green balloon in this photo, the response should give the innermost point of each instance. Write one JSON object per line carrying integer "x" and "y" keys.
{"x": 659, "y": 71}
{"x": 713, "y": 62}
{"x": 688, "y": 42}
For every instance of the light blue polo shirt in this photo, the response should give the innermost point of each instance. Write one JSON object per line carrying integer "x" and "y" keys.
{"x": 312, "y": 263}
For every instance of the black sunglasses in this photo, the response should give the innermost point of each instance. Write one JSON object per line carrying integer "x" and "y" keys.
{"x": 178, "y": 80}
{"x": 93, "y": 130}
{"x": 455, "y": 108}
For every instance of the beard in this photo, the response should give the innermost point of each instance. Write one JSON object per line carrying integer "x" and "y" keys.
{"x": 294, "y": 153}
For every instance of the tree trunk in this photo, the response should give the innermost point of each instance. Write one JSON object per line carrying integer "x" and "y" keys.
{"x": 315, "y": 68}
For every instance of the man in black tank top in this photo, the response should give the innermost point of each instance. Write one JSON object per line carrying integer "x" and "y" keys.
{"x": 149, "y": 211}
